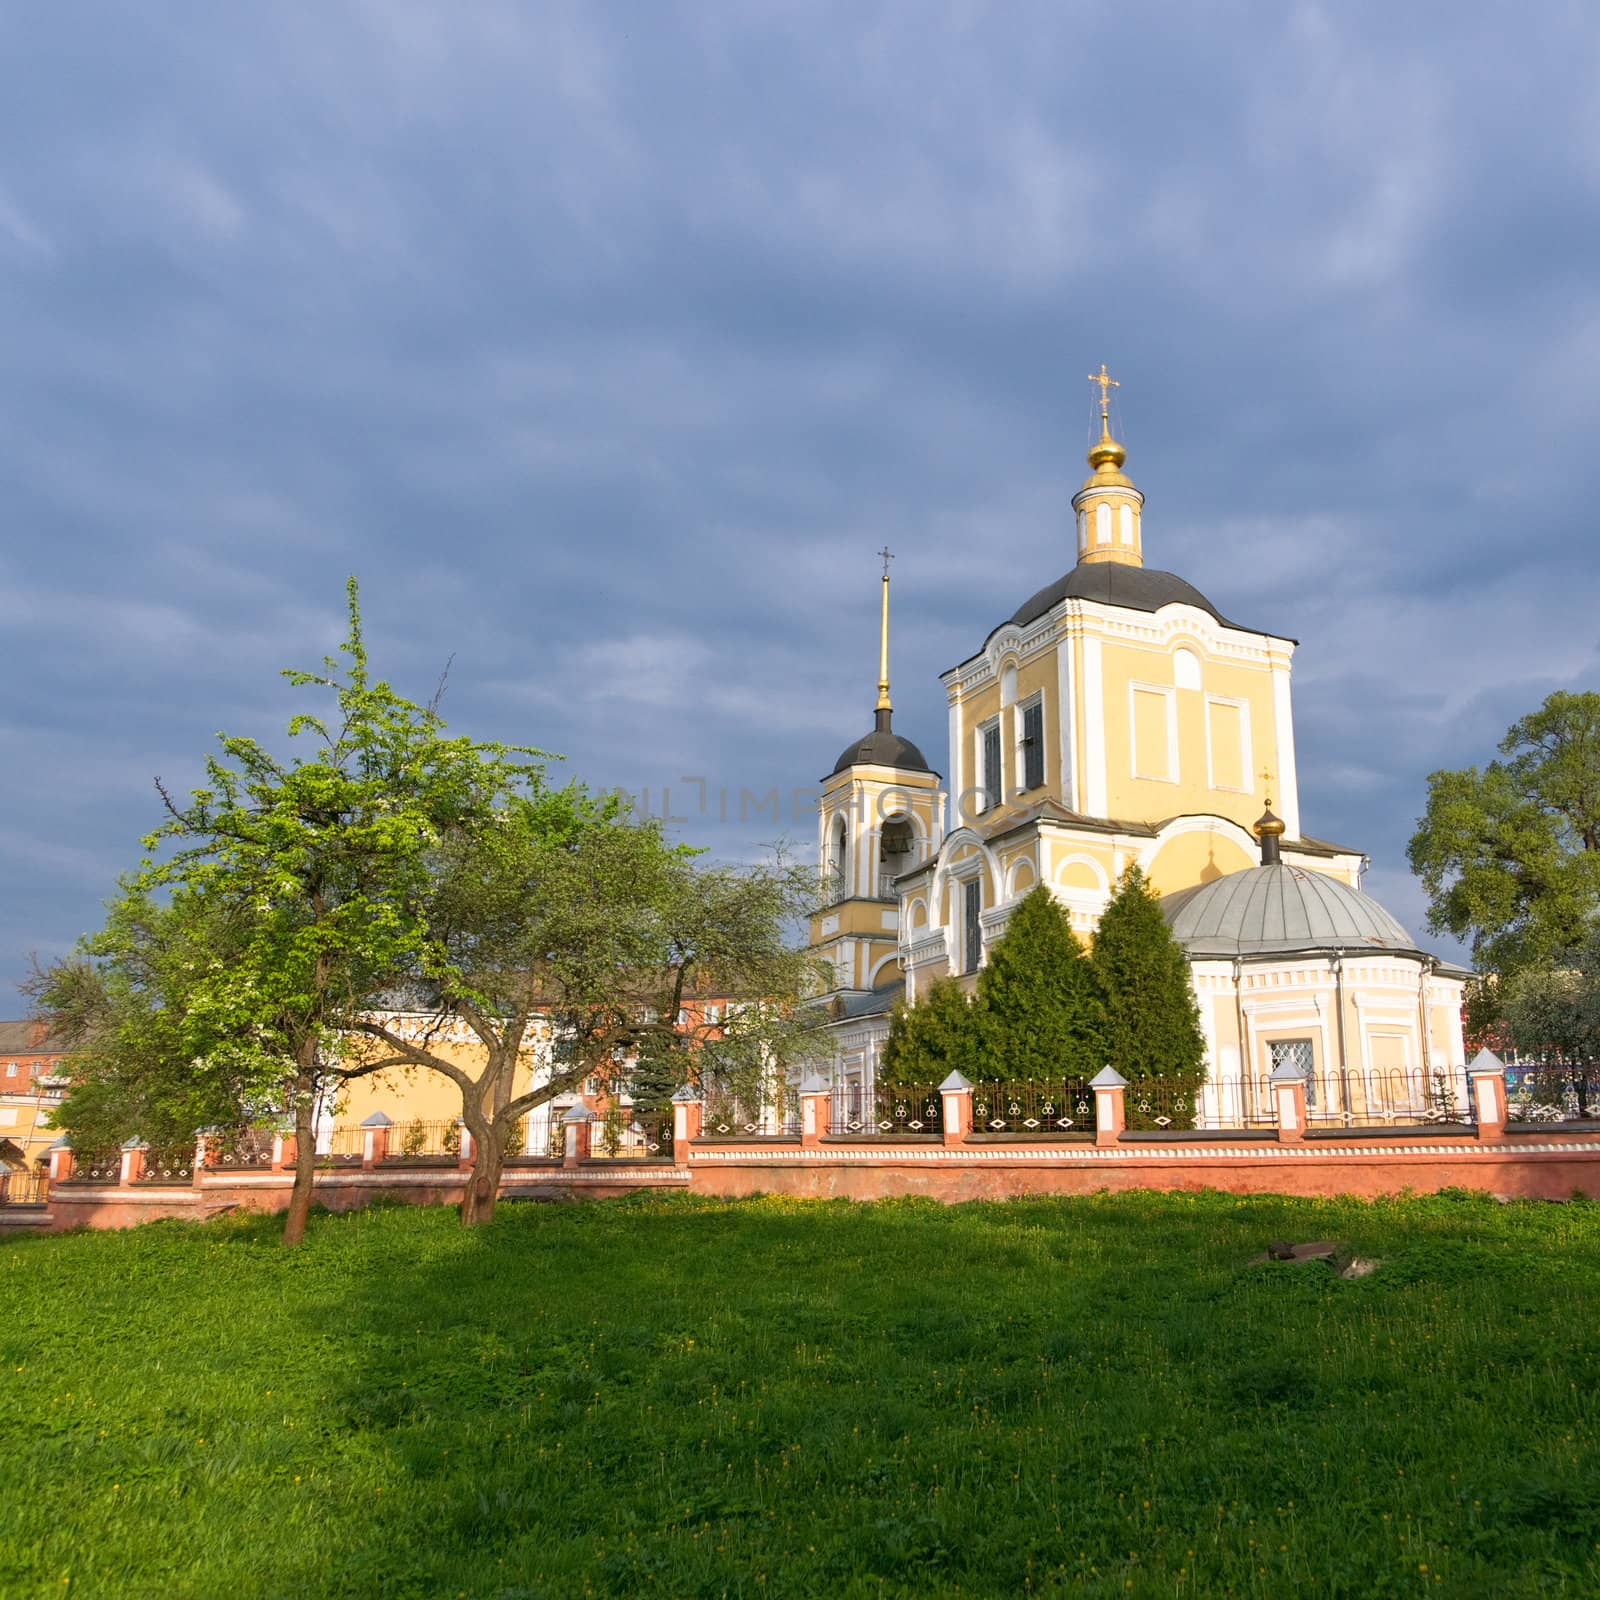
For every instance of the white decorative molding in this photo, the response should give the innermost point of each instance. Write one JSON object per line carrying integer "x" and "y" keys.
{"x": 1286, "y": 778}
{"x": 1094, "y": 730}
{"x": 1246, "y": 756}
{"x": 1169, "y": 696}
{"x": 1067, "y": 724}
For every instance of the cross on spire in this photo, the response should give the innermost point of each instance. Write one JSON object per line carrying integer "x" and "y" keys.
{"x": 888, "y": 556}
{"x": 1107, "y": 384}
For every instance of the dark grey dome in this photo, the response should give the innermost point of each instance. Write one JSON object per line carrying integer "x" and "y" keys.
{"x": 1115, "y": 583}
{"x": 1280, "y": 910}
{"x": 883, "y": 748}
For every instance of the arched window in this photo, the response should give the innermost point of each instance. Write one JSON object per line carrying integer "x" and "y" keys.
{"x": 1102, "y": 523}
{"x": 1127, "y": 524}
{"x": 838, "y": 860}
{"x": 896, "y": 844}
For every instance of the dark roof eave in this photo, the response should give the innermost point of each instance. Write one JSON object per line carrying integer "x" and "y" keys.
{"x": 1175, "y": 591}
{"x": 1320, "y": 847}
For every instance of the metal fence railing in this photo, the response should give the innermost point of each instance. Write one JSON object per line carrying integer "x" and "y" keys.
{"x": 1033, "y": 1106}
{"x": 240, "y": 1149}
{"x": 168, "y": 1164}
{"x": 1386, "y": 1097}
{"x": 30, "y": 1188}
{"x": 1159, "y": 1105}
{"x": 420, "y": 1141}
{"x": 624, "y": 1137}
{"x": 345, "y": 1147}
{"x": 1553, "y": 1092}
{"x": 727, "y": 1117}
{"x": 885, "y": 1110}
{"x": 96, "y": 1166}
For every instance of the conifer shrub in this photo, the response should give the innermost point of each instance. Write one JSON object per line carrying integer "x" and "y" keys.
{"x": 1039, "y": 1007}
{"x": 1152, "y": 1023}
{"x": 942, "y": 1033}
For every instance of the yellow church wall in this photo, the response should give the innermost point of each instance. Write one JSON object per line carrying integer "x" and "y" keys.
{"x": 1171, "y": 750}
{"x": 871, "y": 919}
{"x": 1192, "y": 858}
{"x": 1035, "y": 677}
{"x": 1082, "y": 865}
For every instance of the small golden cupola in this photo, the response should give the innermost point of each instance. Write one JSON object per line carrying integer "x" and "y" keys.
{"x": 1108, "y": 506}
{"x": 1269, "y": 830}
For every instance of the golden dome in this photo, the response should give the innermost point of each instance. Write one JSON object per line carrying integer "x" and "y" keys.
{"x": 1106, "y": 452}
{"x": 1268, "y": 823}
{"x": 1106, "y": 457}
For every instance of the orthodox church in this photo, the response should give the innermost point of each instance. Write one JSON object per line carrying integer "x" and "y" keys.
{"x": 1117, "y": 717}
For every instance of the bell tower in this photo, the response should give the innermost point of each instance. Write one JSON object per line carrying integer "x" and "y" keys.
{"x": 881, "y": 813}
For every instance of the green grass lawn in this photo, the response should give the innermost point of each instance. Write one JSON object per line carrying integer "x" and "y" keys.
{"x": 680, "y": 1397}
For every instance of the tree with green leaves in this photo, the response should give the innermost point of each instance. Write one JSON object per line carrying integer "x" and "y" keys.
{"x": 318, "y": 866}
{"x": 1041, "y": 1011}
{"x": 1553, "y": 1010}
{"x": 141, "y": 1060}
{"x": 1152, "y": 1019}
{"x": 1510, "y": 854}
{"x": 603, "y": 932}
{"x": 942, "y": 1033}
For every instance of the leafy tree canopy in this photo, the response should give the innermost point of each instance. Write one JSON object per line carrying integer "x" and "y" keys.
{"x": 1510, "y": 854}
{"x": 249, "y": 965}
{"x": 1552, "y": 1010}
{"x": 292, "y": 891}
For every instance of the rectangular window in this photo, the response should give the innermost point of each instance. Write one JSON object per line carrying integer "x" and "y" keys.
{"x": 993, "y": 779}
{"x": 971, "y": 927}
{"x": 1228, "y": 743}
{"x": 1033, "y": 745}
{"x": 11, "y": 1069}
{"x": 1296, "y": 1053}
{"x": 1153, "y": 714}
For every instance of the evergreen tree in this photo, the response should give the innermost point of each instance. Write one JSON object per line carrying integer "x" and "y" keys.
{"x": 942, "y": 1033}
{"x": 1152, "y": 1020}
{"x": 1042, "y": 1015}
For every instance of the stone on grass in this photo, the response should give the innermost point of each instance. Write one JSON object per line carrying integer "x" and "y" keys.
{"x": 1294, "y": 1254}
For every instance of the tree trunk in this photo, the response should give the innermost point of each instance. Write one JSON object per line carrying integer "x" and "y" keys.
{"x": 483, "y": 1183}
{"x": 305, "y": 1165}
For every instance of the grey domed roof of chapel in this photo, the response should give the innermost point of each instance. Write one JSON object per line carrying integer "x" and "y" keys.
{"x": 882, "y": 748}
{"x": 1279, "y": 910}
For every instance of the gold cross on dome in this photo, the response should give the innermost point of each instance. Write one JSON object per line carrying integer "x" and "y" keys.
{"x": 1266, "y": 779}
{"x": 1107, "y": 384}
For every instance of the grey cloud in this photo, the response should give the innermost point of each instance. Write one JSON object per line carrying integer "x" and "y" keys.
{"x": 607, "y": 355}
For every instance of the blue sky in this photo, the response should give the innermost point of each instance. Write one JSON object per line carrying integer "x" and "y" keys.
{"x": 606, "y": 344}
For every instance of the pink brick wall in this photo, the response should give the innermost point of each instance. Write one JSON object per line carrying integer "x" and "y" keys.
{"x": 1552, "y": 1166}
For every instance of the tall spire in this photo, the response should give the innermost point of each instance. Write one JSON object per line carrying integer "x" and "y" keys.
{"x": 885, "y": 706}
